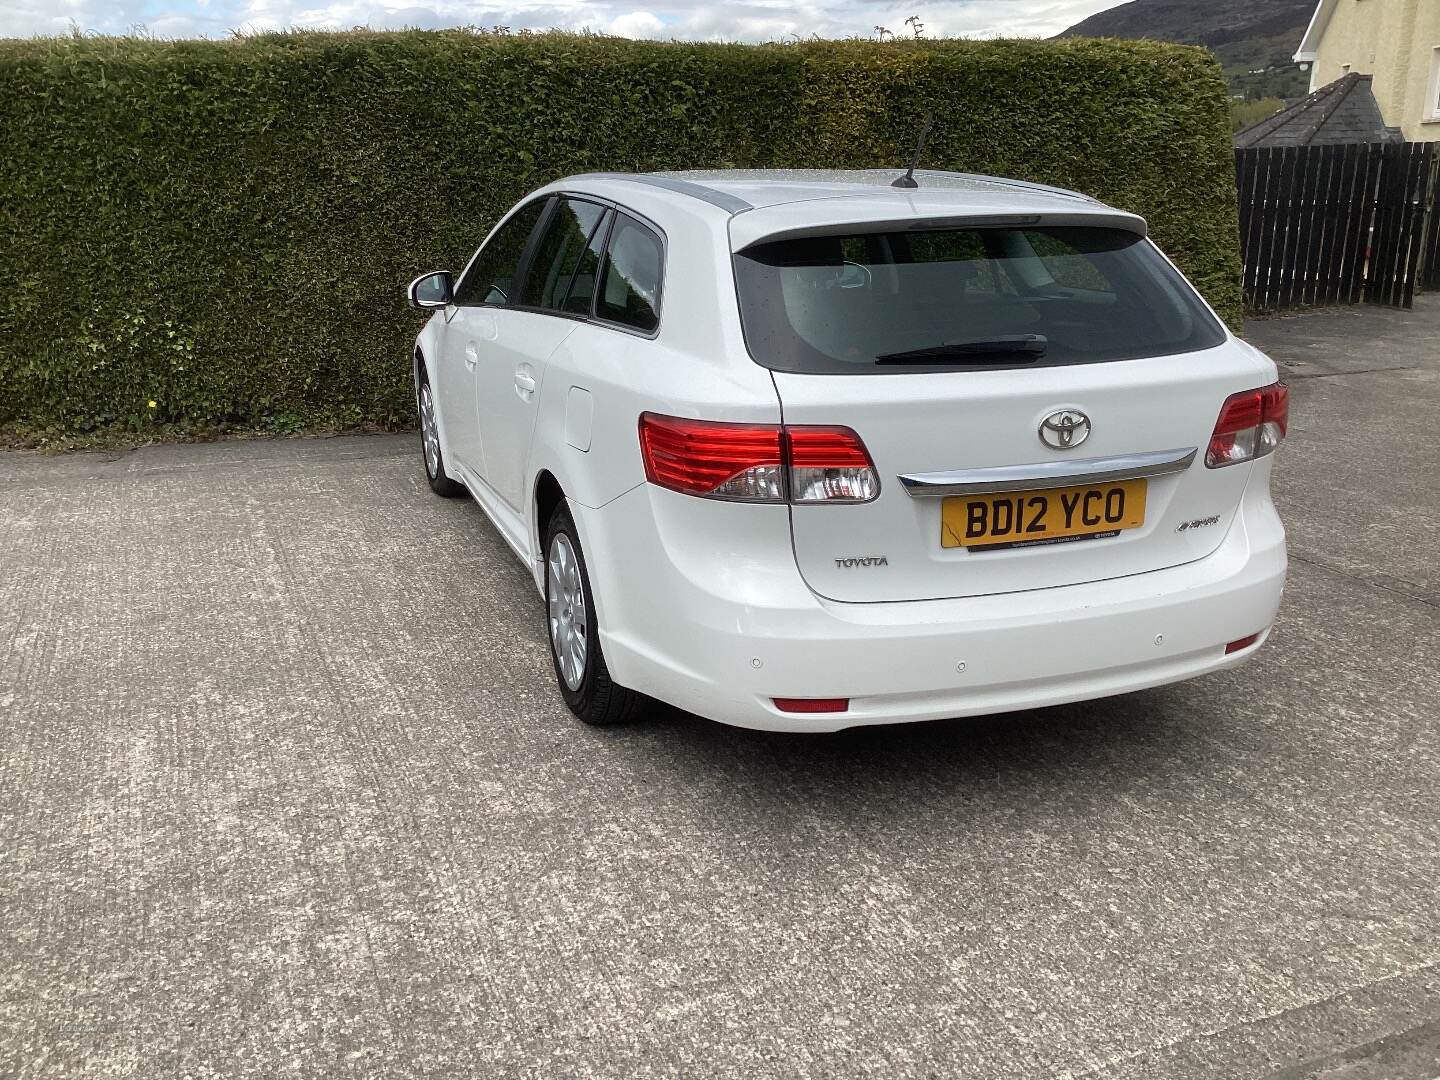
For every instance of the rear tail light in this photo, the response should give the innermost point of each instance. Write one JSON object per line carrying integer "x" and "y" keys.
{"x": 757, "y": 462}
{"x": 1251, "y": 425}
{"x": 719, "y": 461}
{"x": 829, "y": 464}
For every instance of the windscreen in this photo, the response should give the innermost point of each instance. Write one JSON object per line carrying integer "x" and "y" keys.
{"x": 965, "y": 299}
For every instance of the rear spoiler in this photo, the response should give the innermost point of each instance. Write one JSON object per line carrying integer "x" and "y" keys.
{"x": 750, "y": 229}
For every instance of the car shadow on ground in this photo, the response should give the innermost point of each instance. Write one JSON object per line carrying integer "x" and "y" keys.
{"x": 1108, "y": 741}
{"x": 1069, "y": 751}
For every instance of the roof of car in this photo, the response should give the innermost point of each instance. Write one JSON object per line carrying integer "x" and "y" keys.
{"x": 738, "y": 190}
{"x": 771, "y": 187}
{"x": 768, "y": 203}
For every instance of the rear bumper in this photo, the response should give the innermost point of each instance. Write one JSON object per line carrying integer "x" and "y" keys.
{"x": 724, "y": 630}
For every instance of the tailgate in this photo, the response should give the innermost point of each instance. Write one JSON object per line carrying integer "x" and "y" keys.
{"x": 979, "y": 433}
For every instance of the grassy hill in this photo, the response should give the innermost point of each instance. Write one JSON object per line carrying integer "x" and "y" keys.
{"x": 1245, "y": 34}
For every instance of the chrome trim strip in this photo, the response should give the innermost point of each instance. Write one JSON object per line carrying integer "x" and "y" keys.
{"x": 1045, "y": 474}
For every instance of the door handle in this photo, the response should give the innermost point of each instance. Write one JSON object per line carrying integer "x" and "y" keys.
{"x": 472, "y": 355}
{"x": 524, "y": 382}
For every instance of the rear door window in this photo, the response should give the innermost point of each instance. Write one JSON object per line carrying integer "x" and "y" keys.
{"x": 630, "y": 279}
{"x": 965, "y": 298}
{"x": 558, "y": 253}
{"x": 581, "y": 298}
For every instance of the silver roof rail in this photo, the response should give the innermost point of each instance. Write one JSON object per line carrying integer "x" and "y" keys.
{"x": 1004, "y": 181}
{"x": 724, "y": 201}
{"x": 733, "y": 204}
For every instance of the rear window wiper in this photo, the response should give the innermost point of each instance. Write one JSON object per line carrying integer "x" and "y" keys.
{"x": 1010, "y": 349}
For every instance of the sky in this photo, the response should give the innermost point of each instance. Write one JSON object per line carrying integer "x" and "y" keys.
{"x": 733, "y": 20}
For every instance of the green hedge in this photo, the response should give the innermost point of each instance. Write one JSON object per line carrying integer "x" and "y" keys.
{"x": 224, "y": 229}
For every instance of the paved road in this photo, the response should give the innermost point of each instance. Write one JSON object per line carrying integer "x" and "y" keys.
{"x": 285, "y": 790}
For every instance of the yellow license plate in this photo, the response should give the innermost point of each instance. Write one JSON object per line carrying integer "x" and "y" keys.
{"x": 1013, "y": 518}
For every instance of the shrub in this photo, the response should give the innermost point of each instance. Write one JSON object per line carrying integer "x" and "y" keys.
{"x": 225, "y": 228}
{"x": 1245, "y": 113}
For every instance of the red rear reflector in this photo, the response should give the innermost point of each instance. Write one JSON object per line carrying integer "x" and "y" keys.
{"x": 1241, "y": 643}
{"x": 1251, "y": 425}
{"x": 812, "y": 705}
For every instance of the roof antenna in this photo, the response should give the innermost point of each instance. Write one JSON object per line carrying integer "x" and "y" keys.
{"x": 908, "y": 180}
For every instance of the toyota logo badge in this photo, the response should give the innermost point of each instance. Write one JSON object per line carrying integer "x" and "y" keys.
{"x": 1064, "y": 429}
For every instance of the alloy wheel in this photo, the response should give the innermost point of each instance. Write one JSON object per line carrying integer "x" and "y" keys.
{"x": 569, "y": 623}
{"x": 429, "y": 433}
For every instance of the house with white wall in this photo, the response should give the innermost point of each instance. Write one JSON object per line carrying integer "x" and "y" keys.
{"x": 1396, "y": 43}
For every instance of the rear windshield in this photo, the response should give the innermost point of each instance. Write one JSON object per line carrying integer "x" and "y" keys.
{"x": 965, "y": 298}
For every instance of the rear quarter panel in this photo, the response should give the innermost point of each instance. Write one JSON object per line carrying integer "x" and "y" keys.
{"x": 694, "y": 366}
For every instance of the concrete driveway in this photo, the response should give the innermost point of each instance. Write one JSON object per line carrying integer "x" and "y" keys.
{"x": 285, "y": 790}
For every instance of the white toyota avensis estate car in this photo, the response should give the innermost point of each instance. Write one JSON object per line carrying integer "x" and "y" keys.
{"x": 809, "y": 450}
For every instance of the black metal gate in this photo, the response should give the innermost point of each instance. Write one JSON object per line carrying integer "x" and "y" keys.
{"x": 1338, "y": 224}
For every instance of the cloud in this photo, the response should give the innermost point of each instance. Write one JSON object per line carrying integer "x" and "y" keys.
{"x": 636, "y": 24}
{"x": 26, "y": 18}
{"x": 744, "y": 20}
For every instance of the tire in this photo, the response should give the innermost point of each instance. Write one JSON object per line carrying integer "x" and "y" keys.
{"x": 430, "y": 452}
{"x": 582, "y": 676}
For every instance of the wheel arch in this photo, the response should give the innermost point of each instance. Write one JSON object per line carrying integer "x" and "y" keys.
{"x": 426, "y": 351}
{"x": 423, "y": 357}
{"x": 547, "y": 494}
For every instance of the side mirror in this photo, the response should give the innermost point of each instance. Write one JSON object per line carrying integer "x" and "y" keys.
{"x": 434, "y": 290}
